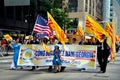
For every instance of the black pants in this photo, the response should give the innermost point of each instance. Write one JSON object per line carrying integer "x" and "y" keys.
{"x": 8, "y": 48}
{"x": 61, "y": 70}
{"x": 33, "y": 67}
{"x": 103, "y": 59}
{"x": 50, "y": 68}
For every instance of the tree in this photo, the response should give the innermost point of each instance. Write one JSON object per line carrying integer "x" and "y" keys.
{"x": 55, "y": 8}
{"x": 61, "y": 17}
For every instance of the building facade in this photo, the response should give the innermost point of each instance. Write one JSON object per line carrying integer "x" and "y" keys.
{"x": 101, "y": 10}
{"x": 79, "y": 8}
{"x": 115, "y": 14}
{"x": 111, "y": 10}
{"x": 106, "y": 10}
{"x": 15, "y": 19}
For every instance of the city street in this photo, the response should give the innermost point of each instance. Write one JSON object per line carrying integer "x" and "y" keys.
{"x": 112, "y": 73}
{"x": 69, "y": 33}
{"x": 55, "y": 32}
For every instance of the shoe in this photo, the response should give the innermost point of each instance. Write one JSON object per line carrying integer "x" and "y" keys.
{"x": 83, "y": 69}
{"x": 58, "y": 71}
{"x": 50, "y": 69}
{"x": 55, "y": 72}
{"x": 12, "y": 68}
{"x": 32, "y": 69}
{"x": 62, "y": 70}
{"x": 101, "y": 72}
{"x": 37, "y": 66}
{"x": 104, "y": 71}
{"x": 21, "y": 67}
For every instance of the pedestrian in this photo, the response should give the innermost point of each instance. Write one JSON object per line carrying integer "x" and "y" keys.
{"x": 103, "y": 56}
{"x": 56, "y": 58}
{"x": 99, "y": 51}
{"x": 16, "y": 47}
{"x": 7, "y": 47}
{"x": 34, "y": 41}
{"x": 82, "y": 40}
{"x": 3, "y": 44}
{"x": 62, "y": 69}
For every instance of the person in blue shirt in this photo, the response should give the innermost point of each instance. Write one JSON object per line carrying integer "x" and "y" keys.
{"x": 56, "y": 58}
{"x": 16, "y": 47}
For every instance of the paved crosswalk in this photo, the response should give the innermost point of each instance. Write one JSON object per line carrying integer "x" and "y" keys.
{"x": 6, "y": 59}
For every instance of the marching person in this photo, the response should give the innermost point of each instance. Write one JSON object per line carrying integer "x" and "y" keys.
{"x": 99, "y": 51}
{"x": 103, "y": 56}
{"x": 34, "y": 41}
{"x": 56, "y": 58}
{"x": 16, "y": 47}
{"x": 3, "y": 44}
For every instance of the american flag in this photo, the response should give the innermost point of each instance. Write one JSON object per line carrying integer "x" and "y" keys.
{"x": 41, "y": 27}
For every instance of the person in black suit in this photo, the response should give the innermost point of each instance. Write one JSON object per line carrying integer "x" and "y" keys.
{"x": 34, "y": 41}
{"x": 103, "y": 55}
{"x": 99, "y": 51}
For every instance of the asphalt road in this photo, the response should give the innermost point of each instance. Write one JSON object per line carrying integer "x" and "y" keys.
{"x": 113, "y": 72}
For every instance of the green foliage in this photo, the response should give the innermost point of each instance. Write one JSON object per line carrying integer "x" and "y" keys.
{"x": 55, "y": 8}
{"x": 61, "y": 17}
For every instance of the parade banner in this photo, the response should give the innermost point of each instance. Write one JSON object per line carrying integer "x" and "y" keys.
{"x": 78, "y": 56}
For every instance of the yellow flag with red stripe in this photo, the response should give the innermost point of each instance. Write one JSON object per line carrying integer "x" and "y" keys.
{"x": 92, "y": 27}
{"x": 109, "y": 32}
{"x": 116, "y": 37}
{"x": 59, "y": 32}
{"x": 46, "y": 48}
{"x": 79, "y": 30}
{"x": 113, "y": 47}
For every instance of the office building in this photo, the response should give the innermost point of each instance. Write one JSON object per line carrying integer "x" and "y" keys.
{"x": 79, "y": 8}
{"x": 115, "y": 14}
{"x": 15, "y": 17}
{"x": 111, "y": 10}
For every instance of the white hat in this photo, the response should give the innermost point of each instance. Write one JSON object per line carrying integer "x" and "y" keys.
{"x": 46, "y": 37}
{"x": 91, "y": 35}
{"x": 87, "y": 37}
{"x": 57, "y": 45}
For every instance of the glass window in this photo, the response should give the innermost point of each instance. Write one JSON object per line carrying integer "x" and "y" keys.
{"x": 18, "y": 13}
{"x": 9, "y": 11}
{"x": 74, "y": 22}
{"x": 73, "y": 5}
{"x": 86, "y": 1}
{"x": 1, "y": 8}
